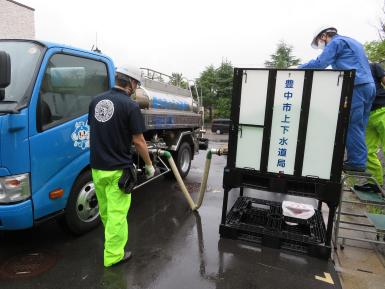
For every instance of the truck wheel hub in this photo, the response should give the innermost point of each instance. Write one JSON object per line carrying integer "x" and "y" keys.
{"x": 87, "y": 205}
{"x": 185, "y": 160}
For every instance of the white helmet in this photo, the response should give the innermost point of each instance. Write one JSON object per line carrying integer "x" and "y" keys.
{"x": 130, "y": 71}
{"x": 318, "y": 32}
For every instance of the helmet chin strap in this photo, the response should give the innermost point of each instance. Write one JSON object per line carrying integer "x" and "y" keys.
{"x": 323, "y": 41}
{"x": 130, "y": 89}
{"x": 321, "y": 44}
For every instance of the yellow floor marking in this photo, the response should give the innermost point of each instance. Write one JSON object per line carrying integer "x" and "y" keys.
{"x": 328, "y": 278}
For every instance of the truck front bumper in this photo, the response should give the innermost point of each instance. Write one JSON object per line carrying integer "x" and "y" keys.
{"x": 17, "y": 216}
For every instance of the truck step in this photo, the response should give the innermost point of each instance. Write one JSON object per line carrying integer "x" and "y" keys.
{"x": 369, "y": 197}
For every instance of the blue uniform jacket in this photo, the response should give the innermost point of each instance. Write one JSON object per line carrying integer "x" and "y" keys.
{"x": 344, "y": 53}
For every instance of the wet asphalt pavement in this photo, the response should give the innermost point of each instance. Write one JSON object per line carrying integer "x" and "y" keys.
{"x": 172, "y": 248}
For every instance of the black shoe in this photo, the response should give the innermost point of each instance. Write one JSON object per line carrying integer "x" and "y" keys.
{"x": 127, "y": 256}
{"x": 350, "y": 168}
{"x": 368, "y": 187}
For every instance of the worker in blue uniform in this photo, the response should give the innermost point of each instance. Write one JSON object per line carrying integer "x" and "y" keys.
{"x": 341, "y": 52}
{"x": 375, "y": 132}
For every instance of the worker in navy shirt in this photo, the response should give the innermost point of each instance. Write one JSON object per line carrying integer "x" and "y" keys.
{"x": 375, "y": 132}
{"x": 115, "y": 123}
{"x": 341, "y": 52}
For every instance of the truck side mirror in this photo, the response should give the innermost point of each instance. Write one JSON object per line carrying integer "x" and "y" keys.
{"x": 5, "y": 72}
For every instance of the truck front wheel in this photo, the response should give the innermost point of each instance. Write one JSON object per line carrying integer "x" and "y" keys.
{"x": 82, "y": 211}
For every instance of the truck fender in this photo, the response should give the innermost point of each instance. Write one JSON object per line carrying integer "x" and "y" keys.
{"x": 187, "y": 135}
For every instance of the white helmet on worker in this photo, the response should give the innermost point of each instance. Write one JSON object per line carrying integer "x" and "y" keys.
{"x": 318, "y": 33}
{"x": 130, "y": 71}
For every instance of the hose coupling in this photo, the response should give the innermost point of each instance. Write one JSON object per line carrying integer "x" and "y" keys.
{"x": 220, "y": 152}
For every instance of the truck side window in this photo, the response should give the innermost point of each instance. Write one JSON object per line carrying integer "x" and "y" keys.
{"x": 68, "y": 86}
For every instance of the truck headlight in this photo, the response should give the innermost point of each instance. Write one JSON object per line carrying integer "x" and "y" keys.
{"x": 14, "y": 188}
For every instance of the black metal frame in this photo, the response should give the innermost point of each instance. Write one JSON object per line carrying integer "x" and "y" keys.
{"x": 324, "y": 190}
{"x": 296, "y": 183}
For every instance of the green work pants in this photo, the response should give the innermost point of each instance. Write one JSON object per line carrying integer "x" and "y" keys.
{"x": 375, "y": 138}
{"x": 113, "y": 207}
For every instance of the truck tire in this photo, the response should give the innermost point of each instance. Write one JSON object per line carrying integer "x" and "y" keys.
{"x": 82, "y": 211}
{"x": 182, "y": 159}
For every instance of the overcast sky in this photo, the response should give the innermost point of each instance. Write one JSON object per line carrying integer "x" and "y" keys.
{"x": 186, "y": 36}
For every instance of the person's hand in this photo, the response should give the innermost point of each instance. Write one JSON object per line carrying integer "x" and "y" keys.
{"x": 149, "y": 170}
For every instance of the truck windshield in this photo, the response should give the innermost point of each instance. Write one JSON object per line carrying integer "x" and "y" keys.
{"x": 24, "y": 59}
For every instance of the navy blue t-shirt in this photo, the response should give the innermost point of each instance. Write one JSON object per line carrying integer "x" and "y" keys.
{"x": 378, "y": 73}
{"x": 113, "y": 118}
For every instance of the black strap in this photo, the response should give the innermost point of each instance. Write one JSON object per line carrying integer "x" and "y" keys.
{"x": 128, "y": 180}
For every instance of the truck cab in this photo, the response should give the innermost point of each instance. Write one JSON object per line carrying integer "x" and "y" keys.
{"x": 44, "y": 136}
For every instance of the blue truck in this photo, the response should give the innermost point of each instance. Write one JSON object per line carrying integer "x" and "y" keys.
{"x": 45, "y": 91}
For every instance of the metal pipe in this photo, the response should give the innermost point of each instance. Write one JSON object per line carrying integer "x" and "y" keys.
{"x": 358, "y": 230}
{"x": 202, "y": 190}
{"x": 357, "y": 224}
{"x": 361, "y": 239}
{"x": 353, "y": 215}
{"x": 363, "y": 204}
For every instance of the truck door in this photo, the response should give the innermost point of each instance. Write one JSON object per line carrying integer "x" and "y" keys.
{"x": 60, "y": 148}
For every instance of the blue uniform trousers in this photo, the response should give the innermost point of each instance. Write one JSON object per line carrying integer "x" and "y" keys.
{"x": 363, "y": 96}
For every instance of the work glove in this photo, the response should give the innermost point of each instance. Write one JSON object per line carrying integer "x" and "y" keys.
{"x": 150, "y": 171}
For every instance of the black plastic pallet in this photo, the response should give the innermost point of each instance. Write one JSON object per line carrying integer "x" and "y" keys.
{"x": 262, "y": 221}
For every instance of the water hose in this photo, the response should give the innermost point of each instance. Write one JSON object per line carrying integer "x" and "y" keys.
{"x": 202, "y": 190}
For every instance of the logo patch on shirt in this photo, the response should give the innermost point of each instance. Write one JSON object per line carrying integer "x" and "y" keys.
{"x": 81, "y": 135}
{"x": 104, "y": 110}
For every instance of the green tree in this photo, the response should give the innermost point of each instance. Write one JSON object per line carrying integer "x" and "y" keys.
{"x": 282, "y": 58}
{"x": 223, "y": 105}
{"x": 216, "y": 84}
{"x": 177, "y": 79}
{"x": 208, "y": 88}
{"x": 224, "y": 78}
{"x": 375, "y": 50}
